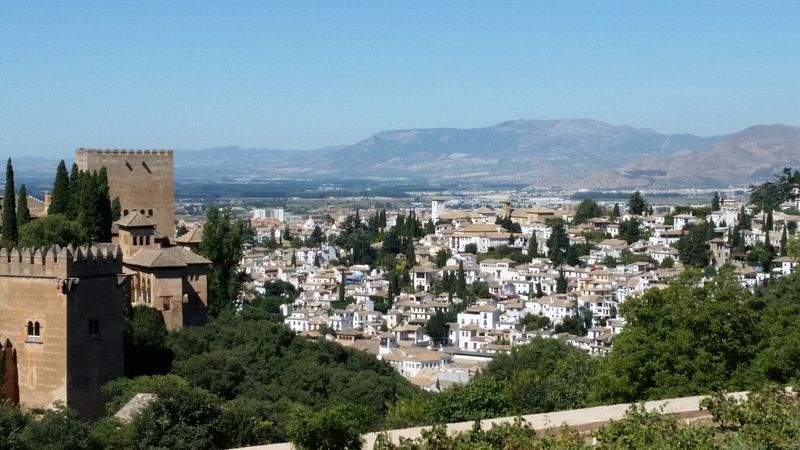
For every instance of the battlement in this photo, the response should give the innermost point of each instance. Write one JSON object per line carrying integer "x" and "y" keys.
{"x": 61, "y": 262}
{"x": 117, "y": 151}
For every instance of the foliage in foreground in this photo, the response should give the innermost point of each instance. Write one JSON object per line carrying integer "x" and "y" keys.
{"x": 768, "y": 419}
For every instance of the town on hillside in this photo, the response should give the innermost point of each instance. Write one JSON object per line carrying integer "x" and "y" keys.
{"x": 438, "y": 292}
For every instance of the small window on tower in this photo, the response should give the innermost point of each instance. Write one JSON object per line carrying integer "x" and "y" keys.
{"x": 150, "y": 213}
{"x": 125, "y": 212}
{"x": 34, "y": 332}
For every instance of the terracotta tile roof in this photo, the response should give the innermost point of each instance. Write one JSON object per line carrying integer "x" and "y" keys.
{"x": 193, "y": 236}
{"x": 165, "y": 257}
{"x": 135, "y": 219}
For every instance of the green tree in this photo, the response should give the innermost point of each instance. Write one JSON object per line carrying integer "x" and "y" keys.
{"x": 615, "y": 213}
{"x": 430, "y": 228}
{"x": 437, "y": 328}
{"x": 637, "y": 204}
{"x": 561, "y": 283}
{"x": 182, "y": 417}
{"x": 105, "y": 212}
{"x": 442, "y": 256}
{"x": 88, "y": 205}
{"x": 692, "y": 245}
{"x": 23, "y": 213}
{"x": 715, "y": 202}
{"x": 411, "y": 256}
{"x": 74, "y": 175}
{"x": 586, "y": 210}
{"x": 686, "y": 339}
{"x": 145, "y": 342}
{"x": 317, "y": 237}
{"x": 533, "y": 246}
{"x": 471, "y": 248}
{"x": 116, "y": 209}
{"x": 784, "y": 240}
{"x": 57, "y": 429}
{"x": 558, "y": 243}
{"x": 10, "y": 233}
{"x": 53, "y": 229}
{"x": 60, "y": 198}
{"x": 461, "y": 282}
{"x": 667, "y": 263}
{"x": 222, "y": 245}
{"x": 334, "y": 427}
{"x": 630, "y": 230}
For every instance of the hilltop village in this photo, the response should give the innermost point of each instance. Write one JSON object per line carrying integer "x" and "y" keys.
{"x": 439, "y": 292}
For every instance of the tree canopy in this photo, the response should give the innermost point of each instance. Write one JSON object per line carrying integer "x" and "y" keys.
{"x": 586, "y": 210}
{"x": 222, "y": 245}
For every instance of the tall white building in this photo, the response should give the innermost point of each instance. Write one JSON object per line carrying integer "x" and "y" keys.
{"x": 437, "y": 207}
{"x": 268, "y": 213}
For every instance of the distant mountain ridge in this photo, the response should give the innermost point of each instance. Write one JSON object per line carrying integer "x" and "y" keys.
{"x": 572, "y": 153}
{"x": 542, "y": 152}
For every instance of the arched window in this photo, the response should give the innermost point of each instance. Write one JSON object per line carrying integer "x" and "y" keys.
{"x": 36, "y": 329}
{"x": 30, "y": 328}
{"x": 141, "y": 211}
{"x": 125, "y": 212}
{"x": 150, "y": 213}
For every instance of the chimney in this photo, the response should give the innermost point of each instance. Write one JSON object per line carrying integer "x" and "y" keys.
{"x": 47, "y": 197}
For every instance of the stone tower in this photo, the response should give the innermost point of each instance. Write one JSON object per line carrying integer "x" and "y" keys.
{"x": 142, "y": 179}
{"x": 61, "y": 325}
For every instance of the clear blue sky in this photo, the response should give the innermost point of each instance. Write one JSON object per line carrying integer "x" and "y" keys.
{"x": 197, "y": 74}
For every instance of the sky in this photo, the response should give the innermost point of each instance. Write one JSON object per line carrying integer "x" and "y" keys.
{"x": 303, "y": 75}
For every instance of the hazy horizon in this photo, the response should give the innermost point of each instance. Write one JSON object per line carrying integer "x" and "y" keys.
{"x": 307, "y": 75}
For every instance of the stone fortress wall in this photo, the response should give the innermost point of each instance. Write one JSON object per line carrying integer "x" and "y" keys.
{"x": 61, "y": 325}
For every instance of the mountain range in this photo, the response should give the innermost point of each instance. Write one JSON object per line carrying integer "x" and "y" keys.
{"x": 574, "y": 154}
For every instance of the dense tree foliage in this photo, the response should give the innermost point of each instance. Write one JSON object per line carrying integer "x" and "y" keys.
{"x": 630, "y": 230}
{"x": 586, "y": 210}
{"x": 334, "y": 427}
{"x": 692, "y": 245}
{"x": 769, "y": 195}
{"x": 545, "y": 375}
{"x": 145, "y": 342}
{"x": 222, "y": 245}
{"x": 508, "y": 224}
{"x": 54, "y": 229}
{"x": 637, "y": 204}
{"x": 682, "y": 340}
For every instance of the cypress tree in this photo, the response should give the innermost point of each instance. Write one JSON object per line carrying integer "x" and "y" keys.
{"x": 784, "y": 240}
{"x": 88, "y": 207}
{"x": 533, "y": 246}
{"x": 615, "y": 212}
{"x": 116, "y": 209}
{"x": 60, "y": 200}
{"x": 341, "y": 286}
{"x": 715, "y": 202}
{"x": 10, "y": 232}
{"x": 461, "y": 282}
{"x": 23, "y": 213}
{"x": 411, "y": 256}
{"x": 104, "y": 214}
{"x": 74, "y": 195}
{"x": 561, "y": 283}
